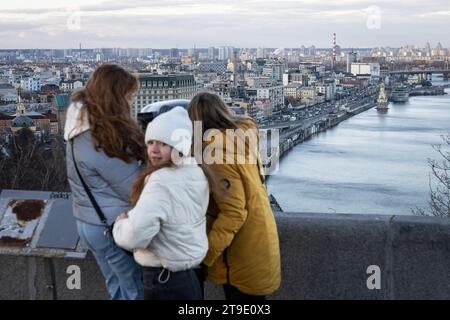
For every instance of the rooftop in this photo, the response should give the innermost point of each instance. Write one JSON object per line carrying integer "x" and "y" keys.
{"x": 162, "y": 77}
{"x": 6, "y": 86}
{"x": 22, "y": 122}
{"x": 62, "y": 101}
{"x": 4, "y": 116}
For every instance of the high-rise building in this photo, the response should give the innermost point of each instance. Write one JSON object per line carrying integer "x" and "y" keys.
{"x": 156, "y": 87}
{"x": 58, "y": 53}
{"x": 302, "y": 51}
{"x": 174, "y": 53}
{"x": 211, "y": 53}
{"x": 428, "y": 49}
{"x": 274, "y": 71}
{"x": 292, "y": 56}
{"x": 230, "y": 52}
{"x": 195, "y": 54}
{"x": 260, "y": 53}
{"x": 226, "y": 53}
{"x": 221, "y": 53}
{"x": 68, "y": 53}
{"x": 108, "y": 53}
{"x": 351, "y": 58}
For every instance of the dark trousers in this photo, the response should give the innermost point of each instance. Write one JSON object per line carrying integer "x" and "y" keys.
{"x": 200, "y": 272}
{"x": 161, "y": 284}
{"x": 233, "y": 293}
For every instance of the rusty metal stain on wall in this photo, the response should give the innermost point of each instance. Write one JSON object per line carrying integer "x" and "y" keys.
{"x": 20, "y": 221}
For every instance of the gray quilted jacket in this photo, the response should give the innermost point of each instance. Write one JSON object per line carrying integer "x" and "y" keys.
{"x": 110, "y": 179}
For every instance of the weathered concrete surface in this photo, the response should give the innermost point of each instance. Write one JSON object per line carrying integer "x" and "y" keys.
{"x": 324, "y": 256}
{"x": 421, "y": 258}
{"x": 30, "y": 278}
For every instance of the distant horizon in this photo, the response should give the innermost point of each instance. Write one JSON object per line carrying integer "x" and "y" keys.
{"x": 216, "y": 47}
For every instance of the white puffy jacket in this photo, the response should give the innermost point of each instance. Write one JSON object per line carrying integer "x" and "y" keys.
{"x": 167, "y": 227}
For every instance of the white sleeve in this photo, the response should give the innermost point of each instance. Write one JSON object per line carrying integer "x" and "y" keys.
{"x": 145, "y": 218}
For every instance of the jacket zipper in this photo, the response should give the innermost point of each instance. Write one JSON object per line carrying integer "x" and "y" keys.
{"x": 225, "y": 261}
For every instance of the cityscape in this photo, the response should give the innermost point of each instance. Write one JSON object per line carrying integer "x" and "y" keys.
{"x": 297, "y": 91}
{"x": 352, "y": 105}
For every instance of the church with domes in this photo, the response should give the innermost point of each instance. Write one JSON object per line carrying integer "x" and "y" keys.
{"x": 21, "y": 120}
{"x": 40, "y": 124}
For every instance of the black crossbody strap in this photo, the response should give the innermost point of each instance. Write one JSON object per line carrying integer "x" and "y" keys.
{"x": 88, "y": 191}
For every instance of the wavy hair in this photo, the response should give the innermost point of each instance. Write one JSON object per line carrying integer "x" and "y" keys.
{"x": 107, "y": 99}
{"x": 209, "y": 108}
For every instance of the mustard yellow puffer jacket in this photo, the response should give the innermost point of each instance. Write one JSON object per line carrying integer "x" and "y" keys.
{"x": 242, "y": 233}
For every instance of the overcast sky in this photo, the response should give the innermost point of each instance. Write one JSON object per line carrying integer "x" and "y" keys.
{"x": 239, "y": 23}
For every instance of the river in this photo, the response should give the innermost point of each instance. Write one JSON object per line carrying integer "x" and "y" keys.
{"x": 370, "y": 163}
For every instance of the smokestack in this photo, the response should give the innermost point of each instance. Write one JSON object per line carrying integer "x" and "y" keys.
{"x": 333, "y": 63}
{"x": 235, "y": 68}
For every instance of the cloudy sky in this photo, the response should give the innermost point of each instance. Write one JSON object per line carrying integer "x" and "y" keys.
{"x": 239, "y": 23}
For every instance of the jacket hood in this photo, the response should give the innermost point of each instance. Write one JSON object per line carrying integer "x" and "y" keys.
{"x": 73, "y": 128}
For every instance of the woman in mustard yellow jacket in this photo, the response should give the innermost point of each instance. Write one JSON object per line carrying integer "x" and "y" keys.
{"x": 243, "y": 253}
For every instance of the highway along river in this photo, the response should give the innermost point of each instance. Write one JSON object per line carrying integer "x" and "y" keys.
{"x": 370, "y": 163}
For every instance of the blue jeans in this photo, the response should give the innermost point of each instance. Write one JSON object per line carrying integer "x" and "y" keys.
{"x": 121, "y": 272}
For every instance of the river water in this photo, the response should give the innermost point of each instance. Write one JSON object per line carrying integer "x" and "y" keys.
{"x": 370, "y": 163}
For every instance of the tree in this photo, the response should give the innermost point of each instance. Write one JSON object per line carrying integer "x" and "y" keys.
{"x": 292, "y": 101}
{"x": 439, "y": 203}
{"x": 31, "y": 165}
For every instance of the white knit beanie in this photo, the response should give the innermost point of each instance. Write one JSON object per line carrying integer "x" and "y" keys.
{"x": 174, "y": 128}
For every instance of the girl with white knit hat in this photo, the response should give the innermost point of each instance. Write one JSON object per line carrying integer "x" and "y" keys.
{"x": 166, "y": 229}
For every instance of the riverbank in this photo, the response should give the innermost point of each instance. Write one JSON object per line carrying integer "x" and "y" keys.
{"x": 300, "y": 135}
{"x": 372, "y": 163}
{"x": 429, "y": 91}
{"x": 291, "y": 138}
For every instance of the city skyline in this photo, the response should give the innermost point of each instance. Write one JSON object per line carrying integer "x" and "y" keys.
{"x": 53, "y": 24}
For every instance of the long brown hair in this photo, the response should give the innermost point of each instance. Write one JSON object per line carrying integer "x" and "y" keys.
{"x": 107, "y": 100}
{"x": 139, "y": 183}
{"x": 209, "y": 108}
{"x": 213, "y": 113}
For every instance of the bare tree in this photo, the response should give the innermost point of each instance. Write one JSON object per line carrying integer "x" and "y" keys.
{"x": 292, "y": 101}
{"x": 439, "y": 203}
{"x": 32, "y": 165}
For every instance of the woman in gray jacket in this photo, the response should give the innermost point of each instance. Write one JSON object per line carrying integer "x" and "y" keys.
{"x": 106, "y": 146}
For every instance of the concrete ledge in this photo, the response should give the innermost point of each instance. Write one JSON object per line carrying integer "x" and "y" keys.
{"x": 37, "y": 278}
{"x": 324, "y": 256}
